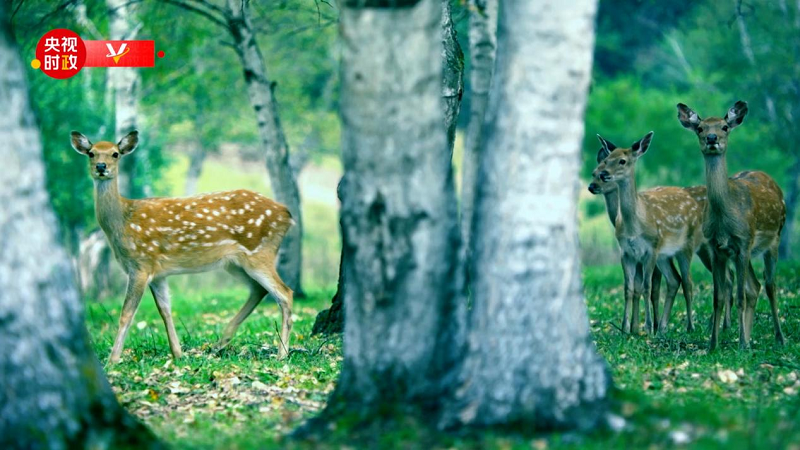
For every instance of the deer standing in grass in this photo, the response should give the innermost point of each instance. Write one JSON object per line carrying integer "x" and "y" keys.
{"x": 153, "y": 238}
{"x": 651, "y": 227}
{"x": 698, "y": 193}
{"x": 744, "y": 219}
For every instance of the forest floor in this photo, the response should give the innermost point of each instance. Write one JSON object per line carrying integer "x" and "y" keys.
{"x": 670, "y": 392}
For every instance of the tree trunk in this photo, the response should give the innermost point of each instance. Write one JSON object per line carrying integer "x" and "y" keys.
{"x": 262, "y": 97}
{"x": 331, "y": 320}
{"x": 482, "y": 48}
{"x": 53, "y": 393}
{"x": 452, "y": 74}
{"x": 792, "y": 197}
{"x": 196, "y": 158}
{"x": 125, "y": 82}
{"x": 400, "y": 237}
{"x": 531, "y": 358}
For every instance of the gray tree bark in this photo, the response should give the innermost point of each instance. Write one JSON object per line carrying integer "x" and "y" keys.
{"x": 452, "y": 74}
{"x": 531, "y": 358}
{"x": 262, "y": 97}
{"x": 53, "y": 393}
{"x": 482, "y": 49}
{"x": 400, "y": 237}
{"x": 126, "y": 84}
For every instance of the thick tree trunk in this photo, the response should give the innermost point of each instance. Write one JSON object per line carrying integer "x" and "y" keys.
{"x": 531, "y": 358}
{"x": 400, "y": 237}
{"x": 262, "y": 98}
{"x": 452, "y": 74}
{"x": 196, "y": 158}
{"x": 53, "y": 393}
{"x": 331, "y": 320}
{"x": 125, "y": 83}
{"x": 482, "y": 48}
{"x": 791, "y": 199}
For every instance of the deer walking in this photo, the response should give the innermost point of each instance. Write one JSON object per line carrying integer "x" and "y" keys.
{"x": 154, "y": 238}
{"x": 651, "y": 227}
{"x": 744, "y": 219}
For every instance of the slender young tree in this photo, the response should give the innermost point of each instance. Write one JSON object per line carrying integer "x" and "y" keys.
{"x": 235, "y": 19}
{"x": 400, "y": 237}
{"x": 53, "y": 392}
{"x": 482, "y": 49}
{"x": 531, "y": 358}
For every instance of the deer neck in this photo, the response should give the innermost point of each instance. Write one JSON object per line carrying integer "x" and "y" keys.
{"x": 628, "y": 206}
{"x": 612, "y": 206}
{"x": 110, "y": 209}
{"x": 717, "y": 183}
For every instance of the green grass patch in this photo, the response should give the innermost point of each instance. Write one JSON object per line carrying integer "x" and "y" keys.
{"x": 670, "y": 392}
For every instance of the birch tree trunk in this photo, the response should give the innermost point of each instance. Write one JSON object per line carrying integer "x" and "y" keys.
{"x": 196, "y": 158}
{"x": 262, "y": 97}
{"x": 331, "y": 320}
{"x": 482, "y": 49}
{"x": 400, "y": 237}
{"x": 53, "y": 393}
{"x": 125, "y": 82}
{"x": 531, "y": 358}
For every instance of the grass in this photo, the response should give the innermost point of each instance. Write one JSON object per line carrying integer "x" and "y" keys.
{"x": 671, "y": 391}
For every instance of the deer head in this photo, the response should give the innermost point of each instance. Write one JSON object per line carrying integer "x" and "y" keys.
{"x": 620, "y": 163}
{"x": 598, "y": 186}
{"x": 104, "y": 156}
{"x": 713, "y": 132}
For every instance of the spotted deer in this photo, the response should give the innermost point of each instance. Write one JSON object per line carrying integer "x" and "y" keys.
{"x": 154, "y": 238}
{"x": 744, "y": 219}
{"x": 651, "y": 227}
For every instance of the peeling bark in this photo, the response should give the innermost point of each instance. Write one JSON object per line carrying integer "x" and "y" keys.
{"x": 452, "y": 74}
{"x": 53, "y": 393}
{"x": 531, "y": 358}
{"x": 482, "y": 49}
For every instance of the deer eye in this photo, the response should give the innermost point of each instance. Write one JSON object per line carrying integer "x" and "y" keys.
{"x": 115, "y": 155}
{"x": 724, "y": 128}
{"x": 90, "y": 154}
{"x": 699, "y": 129}
{"x": 622, "y": 162}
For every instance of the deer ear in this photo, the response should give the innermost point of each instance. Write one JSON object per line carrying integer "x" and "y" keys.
{"x": 640, "y": 147}
{"x": 608, "y": 147}
{"x": 129, "y": 142}
{"x": 80, "y": 143}
{"x": 688, "y": 118}
{"x": 736, "y": 114}
{"x": 602, "y": 154}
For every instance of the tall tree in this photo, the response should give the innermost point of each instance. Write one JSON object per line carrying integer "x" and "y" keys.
{"x": 125, "y": 84}
{"x": 400, "y": 237}
{"x": 235, "y": 19}
{"x": 531, "y": 358}
{"x": 482, "y": 49}
{"x": 53, "y": 393}
{"x": 331, "y": 320}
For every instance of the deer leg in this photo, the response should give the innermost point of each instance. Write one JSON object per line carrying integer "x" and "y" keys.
{"x": 719, "y": 274}
{"x": 160, "y": 290}
{"x": 655, "y": 295}
{"x": 685, "y": 264}
{"x": 133, "y": 296}
{"x": 262, "y": 269}
{"x": 647, "y": 278}
{"x": 742, "y": 264}
{"x": 257, "y": 293}
{"x": 629, "y": 272}
{"x": 637, "y": 293}
{"x": 770, "y": 265}
{"x": 752, "y": 289}
{"x": 673, "y": 282}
